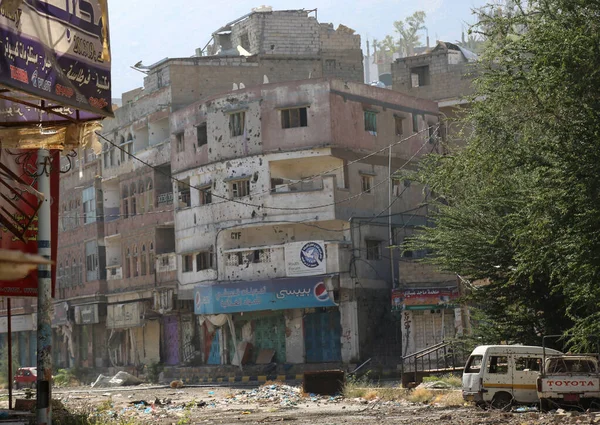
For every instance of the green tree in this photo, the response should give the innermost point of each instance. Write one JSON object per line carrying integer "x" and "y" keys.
{"x": 519, "y": 204}
{"x": 408, "y": 31}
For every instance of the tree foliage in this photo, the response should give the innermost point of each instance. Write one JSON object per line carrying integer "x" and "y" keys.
{"x": 408, "y": 31}
{"x": 519, "y": 203}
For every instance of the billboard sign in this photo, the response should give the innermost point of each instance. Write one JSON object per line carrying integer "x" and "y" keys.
{"x": 20, "y": 202}
{"x": 58, "y": 51}
{"x": 423, "y": 298}
{"x": 305, "y": 258}
{"x": 278, "y": 294}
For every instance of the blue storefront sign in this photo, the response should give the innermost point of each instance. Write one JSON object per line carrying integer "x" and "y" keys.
{"x": 278, "y": 294}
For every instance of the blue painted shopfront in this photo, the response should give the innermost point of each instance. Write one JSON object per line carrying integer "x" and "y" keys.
{"x": 322, "y": 337}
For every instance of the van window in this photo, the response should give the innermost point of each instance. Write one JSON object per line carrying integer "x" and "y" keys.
{"x": 532, "y": 364}
{"x": 474, "y": 364}
{"x": 497, "y": 364}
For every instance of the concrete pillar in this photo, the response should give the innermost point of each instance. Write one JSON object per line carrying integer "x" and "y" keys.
{"x": 294, "y": 336}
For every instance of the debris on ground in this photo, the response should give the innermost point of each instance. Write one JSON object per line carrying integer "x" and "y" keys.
{"x": 121, "y": 379}
{"x": 435, "y": 385}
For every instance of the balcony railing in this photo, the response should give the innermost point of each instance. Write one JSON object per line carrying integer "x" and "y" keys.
{"x": 165, "y": 198}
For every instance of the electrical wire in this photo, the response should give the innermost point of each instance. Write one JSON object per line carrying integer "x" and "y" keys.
{"x": 170, "y": 176}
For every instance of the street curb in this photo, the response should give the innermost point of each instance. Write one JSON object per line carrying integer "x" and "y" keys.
{"x": 259, "y": 379}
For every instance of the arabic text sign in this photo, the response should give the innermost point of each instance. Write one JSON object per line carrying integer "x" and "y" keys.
{"x": 306, "y": 258}
{"x": 423, "y": 298}
{"x": 57, "y": 50}
{"x": 279, "y": 294}
{"x": 124, "y": 315}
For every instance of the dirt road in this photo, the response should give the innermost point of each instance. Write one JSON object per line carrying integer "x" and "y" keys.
{"x": 193, "y": 405}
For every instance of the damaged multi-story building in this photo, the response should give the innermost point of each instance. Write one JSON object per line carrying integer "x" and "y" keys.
{"x": 286, "y": 195}
{"x": 132, "y": 269}
{"x": 425, "y": 297}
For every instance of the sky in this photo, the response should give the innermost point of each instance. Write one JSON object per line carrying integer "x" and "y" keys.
{"x": 151, "y": 30}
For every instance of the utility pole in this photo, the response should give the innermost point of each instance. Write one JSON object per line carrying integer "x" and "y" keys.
{"x": 368, "y": 64}
{"x": 44, "y": 305}
{"x": 391, "y": 231}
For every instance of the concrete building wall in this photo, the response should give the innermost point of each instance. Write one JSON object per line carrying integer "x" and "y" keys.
{"x": 448, "y": 74}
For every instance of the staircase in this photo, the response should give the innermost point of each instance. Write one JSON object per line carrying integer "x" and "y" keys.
{"x": 439, "y": 359}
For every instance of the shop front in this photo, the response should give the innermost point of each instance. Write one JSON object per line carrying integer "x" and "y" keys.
{"x": 91, "y": 334}
{"x": 23, "y": 329}
{"x": 265, "y": 321}
{"x": 429, "y": 316}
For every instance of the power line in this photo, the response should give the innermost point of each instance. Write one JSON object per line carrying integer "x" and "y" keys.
{"x": 157, "y": 169}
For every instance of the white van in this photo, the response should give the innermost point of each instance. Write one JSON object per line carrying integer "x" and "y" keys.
{"x": 503, "y": 374}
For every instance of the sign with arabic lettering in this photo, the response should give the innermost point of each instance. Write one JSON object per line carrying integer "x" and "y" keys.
{"x": 278, "y": 294}
{"x": 305, "y": 258}
{"x": 20, "y": 200}
{"x": 56, "y": 50}
{"x": 124, "y": 315}
{"x": 423, "y": 298}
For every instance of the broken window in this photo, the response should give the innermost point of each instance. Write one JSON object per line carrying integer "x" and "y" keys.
{"x": 261, "y": 256}
{"x": 415, "y": 123}
{"x": 497, "y": 364}
{"x": 373, "y": 249}
{"x": 235, "y": 259}
{"x": 187, "y": 263}
{"x": 204, "y": 260}
{"x": 370, "y": 121}
{"x": 183, "y": 188}
{"x": 366, "y": 183}
{"x": 240, "y": 188}
{"x": 179, "y": 142}
{"x": 202, "y": 135}
{"x": 294, "y": 117}
{"x": 236, "y": 123}
{"x": 419, "y": 76}
{"x": 528, "y": 364}
{"x": 474, "y": 364}
{"x": 398, "y": 124}
{"x": 205, "y": 195}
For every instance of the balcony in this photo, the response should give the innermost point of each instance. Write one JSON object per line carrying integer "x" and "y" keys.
{"x": 321, "y": 196}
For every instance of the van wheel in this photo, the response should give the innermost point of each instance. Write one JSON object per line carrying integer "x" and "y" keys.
{"x": 502, "y": 401}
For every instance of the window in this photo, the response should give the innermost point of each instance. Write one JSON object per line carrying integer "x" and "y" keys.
{"x": 205, "y": 195}
{"x": 398, "y": 123}
{"x": 142, "y": 199}
{"x": 415, "y": 123}
{"x": 164, "y": 261}
{"x": 204, "y": 260}
{"x": 245, "y": 41}
{"x": 187, "y": 263}
{"x": 329, "y": 64}
{"x": 261, "y": 256}
{"x": 373, "y": 250}
{"x": 370, "y": 121}
{"x": 133, "y": 194}
{"x": 235, "y": 259}
{"x": 179, "y": 142}
{"x": 134, "y": 263}
{"x": 419, "y": 76}
{"x": 432, "y": 136}
{"x": 89, "y": 205}
{"x": 366, "y": 183}
{"x": 125, "y": 201}
{"x": 91, "y": 262}
{"x": 240, "y": 188}
{"x": 202, "y": 135}
{"x": 75, "y": 274}
{"x": 497, "y": 365}
{"x": 296, "y": 117}
{"x": 474, "y": 364}
{"x": 236, "y": 123}
{"x": 128, "y": 265}
{"x": 184, "y": 194}
{"x": 528, "y": 364}
{"x": 143, "y": 261}
{"x": 151, "y": 259}
{"x": 149, "y": 194}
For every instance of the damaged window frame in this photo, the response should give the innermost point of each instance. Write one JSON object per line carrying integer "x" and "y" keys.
{"x": 205, "y": 194}
{"x": 240, "y": 188}
{"x": 294, "y": 117}
{"x": 204, "y": 260}
{"x": 237, "y": 123}
{"x": 185, "y": 266}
